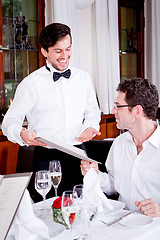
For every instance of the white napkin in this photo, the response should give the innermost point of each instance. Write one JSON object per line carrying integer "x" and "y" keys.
{"x": 26, "y": 225}
{"x": 93, "y": 191}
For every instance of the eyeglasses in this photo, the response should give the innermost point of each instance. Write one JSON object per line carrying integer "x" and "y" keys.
{"x": 120, "y": 106}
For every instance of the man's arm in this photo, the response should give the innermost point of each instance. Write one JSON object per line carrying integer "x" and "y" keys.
{"x": 148, "y": 207}
{"x": 88, "y": 134}
{"x": 23, "y": 102}
{"x": 29, "y": 138}
{"x": 86, "y": 166}
{"x": 92, "y": 114}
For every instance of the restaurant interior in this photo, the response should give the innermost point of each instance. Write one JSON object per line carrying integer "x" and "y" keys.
{"x": 132, "y": 54}
{"x": 20, "y": 55}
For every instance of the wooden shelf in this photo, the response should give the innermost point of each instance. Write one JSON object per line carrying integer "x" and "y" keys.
{"x": 108, "y": 127}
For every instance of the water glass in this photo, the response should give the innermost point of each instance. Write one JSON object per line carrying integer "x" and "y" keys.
{"x": 43, "y": 186}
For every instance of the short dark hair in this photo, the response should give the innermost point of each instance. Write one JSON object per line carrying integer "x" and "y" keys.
{"x": 141, "y": 92}
{"x": 53, "y": 33}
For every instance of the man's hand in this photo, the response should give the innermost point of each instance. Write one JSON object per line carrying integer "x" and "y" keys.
{"x": 88, "y": 134}
{"x": 29, "y": 138}
{"x": 148, "y": 207}
{"x": 85, "y": 166}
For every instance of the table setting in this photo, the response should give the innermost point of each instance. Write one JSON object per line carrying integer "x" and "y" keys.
{"x": 85, "y": 213}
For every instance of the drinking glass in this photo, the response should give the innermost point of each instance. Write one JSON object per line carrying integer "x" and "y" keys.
{"x": 43, "y": 186}
{"x": 69, "y": 207}
{"x": 55, "y": 174}
{"x": 79, "y": 190}
{"x": 88, "y": 209}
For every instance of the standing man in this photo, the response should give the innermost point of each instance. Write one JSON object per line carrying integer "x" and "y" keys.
{"x": 133, "y": 163}
{"x": 59, "y": 102}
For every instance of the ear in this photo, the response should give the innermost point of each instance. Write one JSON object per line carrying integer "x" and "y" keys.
{"x": 138, "y": 111}
{"x": 44, "y": 52}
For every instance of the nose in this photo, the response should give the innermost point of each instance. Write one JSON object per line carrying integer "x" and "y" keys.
{"x": 114, "y": 110}
{"x": 64, "y": 54}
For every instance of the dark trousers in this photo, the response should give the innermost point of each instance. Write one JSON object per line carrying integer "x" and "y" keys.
{"x": 71, "y": 173}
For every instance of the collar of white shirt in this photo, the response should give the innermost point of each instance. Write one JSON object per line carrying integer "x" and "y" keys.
{"x": 52, "y": 69}
{"x": 154, "y": 139}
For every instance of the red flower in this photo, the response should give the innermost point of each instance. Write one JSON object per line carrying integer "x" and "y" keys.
{"x": 57, "y": 203}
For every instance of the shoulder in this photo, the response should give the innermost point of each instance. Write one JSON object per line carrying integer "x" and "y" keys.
{"x": 122, "y": 138}
{"x": 35, "y": 77}
{"x": 81, "y": 77}
{"x": 76, "y": 71}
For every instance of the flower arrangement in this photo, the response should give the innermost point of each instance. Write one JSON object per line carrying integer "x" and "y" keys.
{"x": 57, "y": 212}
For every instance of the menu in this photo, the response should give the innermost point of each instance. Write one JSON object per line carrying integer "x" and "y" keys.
{"x": 12, "y": 188}
{"x": 74, "y": 151}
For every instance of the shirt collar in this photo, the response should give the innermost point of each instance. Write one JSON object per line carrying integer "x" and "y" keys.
{"x": 52, "y": 69}
{"x": 154, "y": 139}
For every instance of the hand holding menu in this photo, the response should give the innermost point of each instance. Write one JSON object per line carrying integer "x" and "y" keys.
{"x": 12, "y": 188}
{"x": 76, "y": 152}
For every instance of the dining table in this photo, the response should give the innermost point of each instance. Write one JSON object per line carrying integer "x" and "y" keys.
{"x": 134, "y": 226}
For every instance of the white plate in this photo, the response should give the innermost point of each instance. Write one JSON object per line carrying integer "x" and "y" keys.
{"x": 117, "y": 205}
{"x": 135, "y": 220}
{"x": 54, "y": 228}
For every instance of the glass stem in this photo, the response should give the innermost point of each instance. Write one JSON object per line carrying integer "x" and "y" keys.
{"x": 71, "y": 231}
{"x": 44, "y": 200}
{"x": 55, "y": 191}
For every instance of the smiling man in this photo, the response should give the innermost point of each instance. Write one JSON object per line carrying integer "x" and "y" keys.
{"x": 59, "y": 102}
{"x": 133, "y": 163}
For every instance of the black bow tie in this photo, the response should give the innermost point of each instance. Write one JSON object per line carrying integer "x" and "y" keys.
{"x": 57, "y": 75}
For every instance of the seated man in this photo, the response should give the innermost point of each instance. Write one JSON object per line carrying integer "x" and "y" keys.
{"x": 133, "y": 163}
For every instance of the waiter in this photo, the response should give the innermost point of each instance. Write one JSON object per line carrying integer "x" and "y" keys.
{"x": 59, "y": 102}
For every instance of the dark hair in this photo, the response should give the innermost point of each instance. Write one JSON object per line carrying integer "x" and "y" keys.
{"x": 141, "y": 92}
{"x": 53, "y": 33}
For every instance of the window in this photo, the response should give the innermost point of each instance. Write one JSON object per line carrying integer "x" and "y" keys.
{"x": 131, "y": 35}
{"x": 21, "y": 54}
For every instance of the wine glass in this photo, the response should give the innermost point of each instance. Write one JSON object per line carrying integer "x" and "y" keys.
{"x": 83, "y": 204}
{"x": 79, "y": 190}
{"x": 88, "y": 208}
{"x": 43, "y": 186}
{"x": 55, "y": 174}
{"x": 69, "y": 207}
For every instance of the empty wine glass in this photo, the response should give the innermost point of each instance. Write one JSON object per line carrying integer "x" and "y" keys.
{"x": 43, "y": 186}
{"x": 88, "y": 208}
{"x": 79, "y": 190}
{"x": 55, "y": 174}
{"x": 69, "y": 207}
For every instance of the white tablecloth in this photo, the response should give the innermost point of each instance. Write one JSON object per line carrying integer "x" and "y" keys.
{"x": 100, "y": 231}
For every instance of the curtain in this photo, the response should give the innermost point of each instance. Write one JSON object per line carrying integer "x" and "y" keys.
{"x": 106, "y": 58}
{"x": 63, "y": 11}
{"x": 152, "y": 46}
{"x": 105, "y": 42}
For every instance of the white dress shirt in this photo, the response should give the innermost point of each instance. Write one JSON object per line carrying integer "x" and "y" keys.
{"x": 134, "y": 177}
{"x": 53, "y": 109}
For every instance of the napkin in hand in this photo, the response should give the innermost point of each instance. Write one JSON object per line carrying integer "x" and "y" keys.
{"x": 93, "y": 191}
{"x": 26, "y": 225}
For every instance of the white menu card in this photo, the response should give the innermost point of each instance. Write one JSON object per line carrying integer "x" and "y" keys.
{"x": 12, "y": 188}
{"x": 74, "y": 151}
